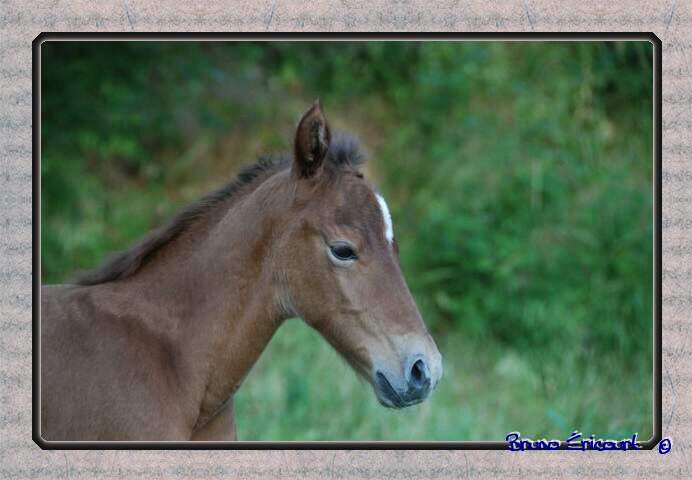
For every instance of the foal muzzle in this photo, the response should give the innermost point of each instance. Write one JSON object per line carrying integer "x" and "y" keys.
{"x": 415, "y": 387}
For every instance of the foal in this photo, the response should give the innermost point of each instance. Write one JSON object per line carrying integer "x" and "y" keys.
{"x": 154, "y": 344}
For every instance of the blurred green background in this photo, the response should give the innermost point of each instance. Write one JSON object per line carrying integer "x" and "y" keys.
{"x": 519, "y": 179}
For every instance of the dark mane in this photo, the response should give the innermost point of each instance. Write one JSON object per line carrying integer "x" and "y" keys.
{"x": 344, "y": 152}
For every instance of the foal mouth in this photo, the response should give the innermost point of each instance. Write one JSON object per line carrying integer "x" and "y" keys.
{"x": 389, "y": 397}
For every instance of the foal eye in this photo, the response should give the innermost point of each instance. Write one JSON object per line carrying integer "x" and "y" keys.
{"x": 343, "y": 251}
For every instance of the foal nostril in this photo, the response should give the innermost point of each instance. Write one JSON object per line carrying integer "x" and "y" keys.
{"x": 420, "y": 376}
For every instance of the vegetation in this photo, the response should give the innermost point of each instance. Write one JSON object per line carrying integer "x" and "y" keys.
{"x": 519, "y": 177}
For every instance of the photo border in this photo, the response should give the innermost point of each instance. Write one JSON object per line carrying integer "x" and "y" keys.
{"x": 327, "y": 445}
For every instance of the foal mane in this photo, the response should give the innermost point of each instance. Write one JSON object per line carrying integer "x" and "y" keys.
{"x": 344, "y": 153}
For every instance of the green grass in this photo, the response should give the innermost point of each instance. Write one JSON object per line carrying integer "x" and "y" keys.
{"x": 519, "y": 179}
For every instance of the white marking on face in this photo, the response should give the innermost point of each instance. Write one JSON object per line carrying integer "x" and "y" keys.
{"x": 388, "y": 228}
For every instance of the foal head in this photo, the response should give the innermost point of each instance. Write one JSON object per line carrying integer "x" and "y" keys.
{"x": 343, "y": 275}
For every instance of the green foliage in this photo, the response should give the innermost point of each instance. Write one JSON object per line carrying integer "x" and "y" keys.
{"x": 519, "y": 177}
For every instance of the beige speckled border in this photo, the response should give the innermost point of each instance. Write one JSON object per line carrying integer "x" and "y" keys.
{"x": 21, "y": 22}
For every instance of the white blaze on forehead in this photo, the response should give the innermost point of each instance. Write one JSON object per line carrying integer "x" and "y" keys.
{"x": 388, "y": 228}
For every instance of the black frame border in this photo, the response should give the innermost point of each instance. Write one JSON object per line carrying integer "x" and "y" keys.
{"x": 418, "y": 36}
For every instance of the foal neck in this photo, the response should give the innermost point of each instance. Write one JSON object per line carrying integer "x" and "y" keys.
{"x": 217, "y": 295}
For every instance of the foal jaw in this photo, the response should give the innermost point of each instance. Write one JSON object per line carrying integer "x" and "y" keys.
{"x": 284, "y": 305}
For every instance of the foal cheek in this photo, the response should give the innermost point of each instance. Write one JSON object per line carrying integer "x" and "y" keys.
{"x": 303, "y": 275}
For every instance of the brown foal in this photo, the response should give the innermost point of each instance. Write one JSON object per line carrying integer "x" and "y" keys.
{"x": 154, "y": 344}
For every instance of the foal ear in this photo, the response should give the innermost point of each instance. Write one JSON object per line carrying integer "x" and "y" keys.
{"x": 312, "y": 142}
